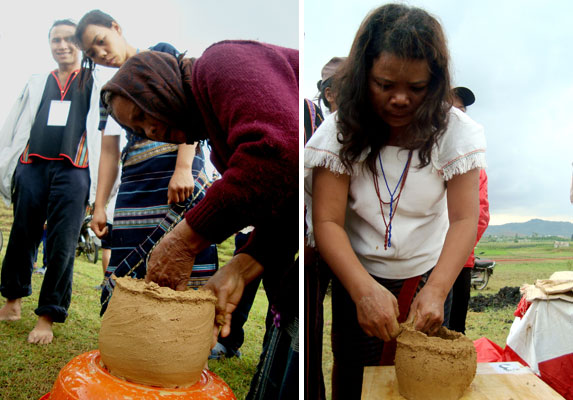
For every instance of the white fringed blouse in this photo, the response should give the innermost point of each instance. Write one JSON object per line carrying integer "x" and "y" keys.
{"x": 421, "y": 221}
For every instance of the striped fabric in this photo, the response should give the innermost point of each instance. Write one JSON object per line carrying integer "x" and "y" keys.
{"x": 80, "y": 159}
{"x": 143, "y": 149}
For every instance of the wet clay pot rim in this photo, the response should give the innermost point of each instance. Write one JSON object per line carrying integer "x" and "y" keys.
{"x": 445, "y": 341}
{"x": 163, "y": 293}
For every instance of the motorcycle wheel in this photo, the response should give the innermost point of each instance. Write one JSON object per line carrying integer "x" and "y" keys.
{"x": 91, "y": 249}
{"x": 483, "y": 276}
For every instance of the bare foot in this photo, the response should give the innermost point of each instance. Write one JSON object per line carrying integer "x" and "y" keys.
{"x": 42, "y": 332}
{"x": 11, "y": 310}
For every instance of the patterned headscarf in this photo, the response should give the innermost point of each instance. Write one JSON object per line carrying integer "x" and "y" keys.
{"x": 160, "y": 85}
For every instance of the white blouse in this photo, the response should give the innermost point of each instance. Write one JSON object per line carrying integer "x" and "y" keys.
{"x": 420, "y": 223}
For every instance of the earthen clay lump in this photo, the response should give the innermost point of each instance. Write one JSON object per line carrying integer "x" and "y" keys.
{"x": 434, "y": 367}
{"x": 156, "y": 336}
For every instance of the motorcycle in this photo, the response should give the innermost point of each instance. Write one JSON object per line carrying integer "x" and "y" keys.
{"x": 481, "y": 272}
{"x": 88, "y": 242}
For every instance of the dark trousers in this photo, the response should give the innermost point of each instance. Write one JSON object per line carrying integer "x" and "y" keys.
{"x": 317, "y": 276}
{"x": 461, "y": 297}
{"x": 56, "y": 192}
{"x": 276, "y": 376}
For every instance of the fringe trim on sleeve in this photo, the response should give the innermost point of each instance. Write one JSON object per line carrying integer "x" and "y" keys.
{"x": 315, "y": 157}
{"x": 463, "y": 164}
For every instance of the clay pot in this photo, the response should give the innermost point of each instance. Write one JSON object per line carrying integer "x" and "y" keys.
{"x": 156, "y": 336}
{"x": 434, "y": 367}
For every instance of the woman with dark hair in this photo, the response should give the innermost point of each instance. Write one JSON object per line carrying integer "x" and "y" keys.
{"x": 391, "y": 185}
{"x": 242, "y": 96}
{"x": 159, "y": 181}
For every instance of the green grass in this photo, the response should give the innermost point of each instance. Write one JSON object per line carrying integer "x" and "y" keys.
{"x": 27, "y": 371}
{"x": 493, "y": 324}
{"x": 523, "y": 249}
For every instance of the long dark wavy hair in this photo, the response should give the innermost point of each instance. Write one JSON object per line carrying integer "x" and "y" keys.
{"x": 408, "y": 33}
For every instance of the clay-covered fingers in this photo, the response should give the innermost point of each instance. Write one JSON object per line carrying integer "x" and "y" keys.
{"x": 223, "y": 309}
{"x": 228, "y": 287}
{"x": 428, "y": 324}
{"x": 378, "y": 314}
{"x": 170, "y": 263}
{"x": 427, "y": 312}
{"x": 174, "y": 278}
{"x": 224, "y": 320}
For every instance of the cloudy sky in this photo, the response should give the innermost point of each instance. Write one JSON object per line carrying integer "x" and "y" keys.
{"x": 516, "y": 56}
{"x": 189, "y": 25}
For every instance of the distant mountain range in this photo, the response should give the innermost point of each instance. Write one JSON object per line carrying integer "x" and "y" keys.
{"x": 532, "y": 227}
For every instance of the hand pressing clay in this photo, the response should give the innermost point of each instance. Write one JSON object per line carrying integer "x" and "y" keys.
{"x": 156, "y": 336}
{"x": 434, "y": 367}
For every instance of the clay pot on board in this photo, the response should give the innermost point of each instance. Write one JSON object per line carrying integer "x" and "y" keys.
{"x": 156, "y": 336}
{"x": 434, "y": 367}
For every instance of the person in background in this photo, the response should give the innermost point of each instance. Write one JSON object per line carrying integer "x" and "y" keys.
{"x": 155, "y": 176}
{"x": 391, "y": 182}
{"x": 317, "y": 274}
{"x": 326, "y": 91}
{"x": 45, "y": 149}
{"x": 462, "y": 98}
{"x": 229, "y": 95}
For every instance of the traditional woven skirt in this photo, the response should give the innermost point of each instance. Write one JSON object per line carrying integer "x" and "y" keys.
{"x": 142, "y": 215}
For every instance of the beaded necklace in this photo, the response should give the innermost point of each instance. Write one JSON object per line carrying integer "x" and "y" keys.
{"x": 393, "y": 207}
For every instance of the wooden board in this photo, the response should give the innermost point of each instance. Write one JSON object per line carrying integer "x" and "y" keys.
{"x": 493, "y": 381}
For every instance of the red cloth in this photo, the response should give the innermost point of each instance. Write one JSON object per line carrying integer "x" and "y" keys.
{"x": 556, "y": 372}
{"x": 483, "y": 220}
{"x": 405, "y": 299}
{"x": 487, "y": 351}
{"x": 522, "y": 307}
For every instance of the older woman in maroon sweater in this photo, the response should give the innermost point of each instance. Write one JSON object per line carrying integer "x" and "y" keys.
{"x": 242, "y": 97}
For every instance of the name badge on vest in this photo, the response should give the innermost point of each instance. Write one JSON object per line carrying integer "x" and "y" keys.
{"x": 59, "y": 111}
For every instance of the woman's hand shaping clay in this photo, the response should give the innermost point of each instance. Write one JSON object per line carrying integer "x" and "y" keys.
{"x": 427, "y": 310}
{"x": 171, "y": 262}
{"x": 228, "y": 285}
{"x": 378, "y": 313}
